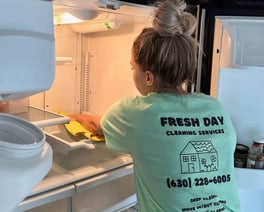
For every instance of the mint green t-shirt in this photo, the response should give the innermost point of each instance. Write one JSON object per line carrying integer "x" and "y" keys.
{"x": 182, "y": 148}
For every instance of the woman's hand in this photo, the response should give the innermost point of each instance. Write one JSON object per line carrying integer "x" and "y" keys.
{"x": 90, "y": 122}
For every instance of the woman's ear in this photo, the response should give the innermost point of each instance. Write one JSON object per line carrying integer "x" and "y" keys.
{"x": 149, "y": 78}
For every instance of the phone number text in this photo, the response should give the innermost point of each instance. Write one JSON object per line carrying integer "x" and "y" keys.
{"x": 189, "y": 183}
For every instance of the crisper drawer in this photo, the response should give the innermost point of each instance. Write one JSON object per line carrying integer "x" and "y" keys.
{"x": 113, "y": 191}
{"x": 57, "y": 200}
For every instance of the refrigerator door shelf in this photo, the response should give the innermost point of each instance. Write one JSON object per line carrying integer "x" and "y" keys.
{"x": 27, "y": 49}
{"x": 63, "y": 60}
{"x": 43, "y": 118}
{"x": 19, "y": 176}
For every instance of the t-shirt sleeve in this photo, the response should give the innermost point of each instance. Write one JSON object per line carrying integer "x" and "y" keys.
{"x": 115, "y": 126}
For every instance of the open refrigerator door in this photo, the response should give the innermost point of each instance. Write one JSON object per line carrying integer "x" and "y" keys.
{"x": 237, "y": 81}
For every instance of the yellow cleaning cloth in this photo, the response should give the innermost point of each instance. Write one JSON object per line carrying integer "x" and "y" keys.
{"x": 75, "y": 128}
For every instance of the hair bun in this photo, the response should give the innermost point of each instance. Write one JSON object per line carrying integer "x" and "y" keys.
{"x": 170, "y": 18}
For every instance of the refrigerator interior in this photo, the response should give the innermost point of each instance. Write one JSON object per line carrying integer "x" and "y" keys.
{"x": 238, "y": 73}
{"x": 93, "y": 71}
{"x": 92, "y": 68}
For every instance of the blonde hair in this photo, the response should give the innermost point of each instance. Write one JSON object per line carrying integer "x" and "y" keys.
{"x": 167, "y": 49}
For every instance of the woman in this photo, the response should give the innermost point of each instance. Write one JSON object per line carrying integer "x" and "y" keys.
{"x": 182, "y": 144}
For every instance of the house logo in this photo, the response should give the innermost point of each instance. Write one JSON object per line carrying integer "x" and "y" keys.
{"x": 199, "y": 156}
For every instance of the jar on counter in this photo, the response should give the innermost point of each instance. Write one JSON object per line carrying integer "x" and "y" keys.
{"x": 241, "y": 155}
{"x": 255, "y": 158}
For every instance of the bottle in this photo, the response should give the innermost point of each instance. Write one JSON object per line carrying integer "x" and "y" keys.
{"x": 255, "y": 158}
{"x": 241, "y": 154}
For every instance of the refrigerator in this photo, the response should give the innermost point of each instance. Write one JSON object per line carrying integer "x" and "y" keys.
{"x": 92, "y": 55}
{"x": 232, "y": 71}
{"x": 93, "y": 71}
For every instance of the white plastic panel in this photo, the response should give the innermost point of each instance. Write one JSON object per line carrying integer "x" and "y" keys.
{"x": 64, "y": 94}
{"x": 110, "y": 77}
{"x": 241, "y": 92}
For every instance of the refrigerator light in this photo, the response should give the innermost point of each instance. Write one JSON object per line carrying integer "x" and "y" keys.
{"x": 66, "y": 18}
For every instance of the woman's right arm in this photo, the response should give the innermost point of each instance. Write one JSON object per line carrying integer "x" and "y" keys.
{"x": 90, "y": 122}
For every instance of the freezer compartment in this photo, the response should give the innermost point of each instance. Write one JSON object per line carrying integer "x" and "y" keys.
{"x": 113, "y": 191}
{"x": 54, "y": 200}
{"x": 62, "y": 205}
{"x": 240, "y": 41}
{"x": 110, "y": 191}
